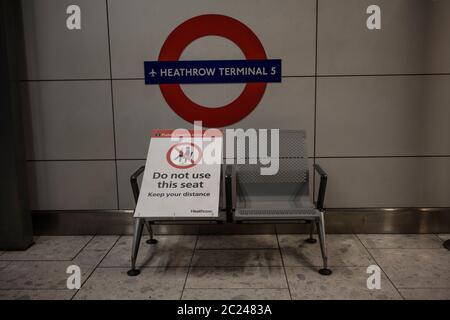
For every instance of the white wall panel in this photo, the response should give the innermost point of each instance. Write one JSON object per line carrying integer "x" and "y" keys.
{"x": 55, "y": 52}
{"x": 387, "y": 182}
{"x": 72, "y": 185}
{"x": 139, "y": 28}
{"x": 383, "y": 116}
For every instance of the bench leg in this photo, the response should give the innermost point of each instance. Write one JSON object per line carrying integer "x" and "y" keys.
{"x": 138, "y": 227}
{"x": 321, "y": 228}
{"x": 150, "y": 232}
{"x": 311, "y": 232}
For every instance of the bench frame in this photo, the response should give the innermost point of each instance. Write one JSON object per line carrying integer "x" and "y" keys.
{"x": 226, "y": 215}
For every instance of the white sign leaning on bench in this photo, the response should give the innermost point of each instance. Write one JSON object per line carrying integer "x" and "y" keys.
{"x": 182, "y": 174}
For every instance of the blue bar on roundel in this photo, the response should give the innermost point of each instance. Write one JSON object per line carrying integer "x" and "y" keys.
{"x": 212, "y": 71}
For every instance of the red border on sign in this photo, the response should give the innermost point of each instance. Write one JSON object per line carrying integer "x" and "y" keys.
{"x": 212, "y": 25}
{"x": 184, "y": 133}
{"x": 169, "y": 160}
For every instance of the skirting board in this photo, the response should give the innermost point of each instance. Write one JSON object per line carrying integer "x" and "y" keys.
{"x": 361, "y": 220}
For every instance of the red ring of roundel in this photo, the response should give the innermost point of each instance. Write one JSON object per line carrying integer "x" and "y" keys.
{"x": 212, "y": 25}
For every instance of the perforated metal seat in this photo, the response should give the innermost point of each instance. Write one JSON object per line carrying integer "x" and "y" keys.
{"x": 283, "y": 196}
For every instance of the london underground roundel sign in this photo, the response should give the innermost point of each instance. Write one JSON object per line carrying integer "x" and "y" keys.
{"x": 169, "y": 72}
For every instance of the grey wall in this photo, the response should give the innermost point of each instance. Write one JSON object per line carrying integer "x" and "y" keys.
{"x": 375, "y": 104}
{"x": 16, "y": 232}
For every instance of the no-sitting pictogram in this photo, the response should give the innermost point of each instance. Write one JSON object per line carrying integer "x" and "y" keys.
{"x": 184, "y": 155}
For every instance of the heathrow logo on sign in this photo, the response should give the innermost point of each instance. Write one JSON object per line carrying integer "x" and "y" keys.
{"x": 169, "y": 72}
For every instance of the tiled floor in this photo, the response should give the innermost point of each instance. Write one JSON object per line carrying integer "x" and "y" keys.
{"x": 229, "y": 267}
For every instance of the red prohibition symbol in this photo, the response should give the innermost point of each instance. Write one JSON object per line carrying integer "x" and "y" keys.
{"x": 212, "y": 25}
{"x": 184, "y": 155}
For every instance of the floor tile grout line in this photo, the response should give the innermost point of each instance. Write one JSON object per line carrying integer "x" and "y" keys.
{"x": 109, "y": 250}
{"x": 438, "y": 237}
{"x": 87, "y": 243}
{"x": 284, "y": 268}
{"x": 235, "y": 249}
{"x": 71, "y": 260}
{"x": 379, "y": 265}
{"x": 420, "y": 234}
{"x": 33, "y": 289}
{"x": 189, "y": 267}
{"x": 37, "y": 260}
{"x": 234, "y": 267}
{"x": 427, "y": 288}
{"x": 237, "y": 266}
{"x": 143, "y": 267}
{"x": 405, "y": 248}
{"x": 246, "y": 288}
{"x": 49, "y": 260}
{"x": 241, "y": 266}
{"x": 96, "y": 267}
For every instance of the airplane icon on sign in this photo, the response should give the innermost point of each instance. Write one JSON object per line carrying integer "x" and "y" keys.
{"x": 152, "y": 73}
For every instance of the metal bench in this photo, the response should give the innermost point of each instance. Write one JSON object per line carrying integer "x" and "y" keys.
{"x": 285, "y": 196}
{"x": 246, "y": 196}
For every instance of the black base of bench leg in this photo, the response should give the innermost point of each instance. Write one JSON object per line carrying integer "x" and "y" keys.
{"x": 325, "y": 272}
{"x": 133, "y": 272}
{"x": 150, "y": 232}
{"x": 311, "y": 232}
{"x": 447, "y": 244}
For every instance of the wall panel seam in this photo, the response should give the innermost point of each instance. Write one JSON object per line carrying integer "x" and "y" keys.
{"x": 285, "y": 76}
{"x": 112, "y": 104}
{"x": 315, "y": 99}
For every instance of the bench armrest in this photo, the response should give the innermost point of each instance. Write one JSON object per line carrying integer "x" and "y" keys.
{"x": 322, "y": 186}
{"x": 134, "y": 183}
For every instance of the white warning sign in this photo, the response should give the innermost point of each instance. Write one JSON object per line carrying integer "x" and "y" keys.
{"x": 182, "y": 174}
